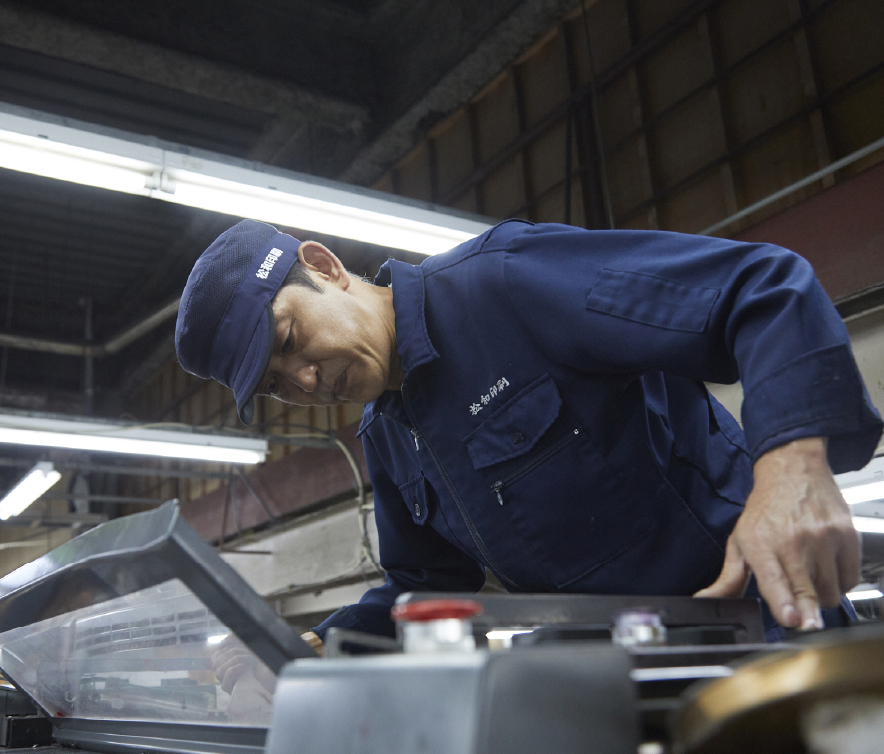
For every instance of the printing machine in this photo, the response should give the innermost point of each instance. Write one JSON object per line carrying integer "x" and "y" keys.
{"x": 112, "y": 642}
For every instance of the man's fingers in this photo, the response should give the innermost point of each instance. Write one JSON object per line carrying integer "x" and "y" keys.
{"x": 806, "y": 598}
{"x": 849, "y": 561}
{"x": 229, "y": 676}
{"x": 734, "y": 577}
{"x": 819, "y": 580}
{"x": 314, "y": 641}
{"x": 777, "y": 589}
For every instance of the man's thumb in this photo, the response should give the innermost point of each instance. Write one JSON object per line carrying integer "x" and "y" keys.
{"x": 734, "y": 576}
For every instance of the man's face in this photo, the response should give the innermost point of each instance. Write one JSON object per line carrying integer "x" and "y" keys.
{"x": 330, "y": 347}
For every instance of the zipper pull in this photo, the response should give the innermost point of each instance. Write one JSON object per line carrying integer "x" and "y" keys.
{"x": 417, "y": 439}
{"x": 498, "y": 486}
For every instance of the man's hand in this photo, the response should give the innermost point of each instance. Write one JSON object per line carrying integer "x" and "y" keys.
{"x": 314, "y": 641}
{"x": 232, "y": 661}
{"x": 795, "y": 534}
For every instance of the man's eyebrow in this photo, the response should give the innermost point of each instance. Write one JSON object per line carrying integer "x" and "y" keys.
{"x": 279, "y": 339}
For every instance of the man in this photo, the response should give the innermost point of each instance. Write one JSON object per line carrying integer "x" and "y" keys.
{"x": 536, "y": 407}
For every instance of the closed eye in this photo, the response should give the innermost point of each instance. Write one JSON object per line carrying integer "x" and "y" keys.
{"x": 289, "y": 344}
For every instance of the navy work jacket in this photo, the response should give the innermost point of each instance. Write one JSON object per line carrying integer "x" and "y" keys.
{"x": 553, "y": 425}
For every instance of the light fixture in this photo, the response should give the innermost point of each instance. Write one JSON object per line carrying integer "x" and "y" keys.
{"x": 35, "y": 483}
{"x": 869, "y": 524}
{"x": 864, "y": 485}
{"x": 107, "y": 437}
{"x": 865, "y": 594}
{"x": 40, "y": 144}
{"x": 864, "y": 493}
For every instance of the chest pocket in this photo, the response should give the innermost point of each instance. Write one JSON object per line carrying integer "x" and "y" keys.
{"x": 554, "y": 487}
{"x": 414, "y": 493}
{"x": 515, "y": 429}
{"x": 652, "y": 300}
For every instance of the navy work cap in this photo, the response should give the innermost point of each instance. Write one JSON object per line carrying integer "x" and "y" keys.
{"x": 225, "y": 324}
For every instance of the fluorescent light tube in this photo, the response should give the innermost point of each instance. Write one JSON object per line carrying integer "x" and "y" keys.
{"x": 865, "y": 594}
{"x": 211, "y": 182}
{"x": 332, "y": 218}
{"x": 29, "y": 154}
{"x": 863, "y": 493}
{"x": 100, "y": 444}
{"x": 869, "y": 524}
{"x": 35, "y": 483}
{"x": 47, "y": 431}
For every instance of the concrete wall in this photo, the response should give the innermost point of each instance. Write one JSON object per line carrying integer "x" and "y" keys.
{"x": 867, "y": 339}
{"x": 312, "y": 566}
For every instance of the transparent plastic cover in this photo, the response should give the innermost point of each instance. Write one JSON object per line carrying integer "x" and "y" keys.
{"x": 157, "y": 654}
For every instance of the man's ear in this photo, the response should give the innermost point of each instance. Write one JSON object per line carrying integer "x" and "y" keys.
{"x": 319, "y": 260}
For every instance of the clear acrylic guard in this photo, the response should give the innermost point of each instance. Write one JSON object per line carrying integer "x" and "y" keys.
{"x": 151, "y": 655}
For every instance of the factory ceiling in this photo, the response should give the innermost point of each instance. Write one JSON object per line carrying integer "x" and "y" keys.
{"x": 337, "y": 89}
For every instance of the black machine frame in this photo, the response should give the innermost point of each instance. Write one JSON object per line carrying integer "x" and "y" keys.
{"x": 742, "y": 616}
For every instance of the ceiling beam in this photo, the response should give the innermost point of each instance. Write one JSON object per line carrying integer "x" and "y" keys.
{"x": 497, "y": 50}
{"x": 49, "y": 35}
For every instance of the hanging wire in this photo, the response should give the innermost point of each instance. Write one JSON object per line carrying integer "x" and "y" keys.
{"x": 4, "y": 359}
{"x": 569, "y": 159}
{"x": 600, "y": 147}
{"x": 364, "y": 509}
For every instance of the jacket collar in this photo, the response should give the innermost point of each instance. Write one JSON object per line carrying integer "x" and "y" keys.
{"x": 412, "y": 340}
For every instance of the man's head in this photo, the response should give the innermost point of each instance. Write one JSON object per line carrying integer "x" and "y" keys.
{"x": 265, "y": 314}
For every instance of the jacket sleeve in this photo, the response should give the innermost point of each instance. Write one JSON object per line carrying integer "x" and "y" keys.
{"x": 705, "y": 308}
{"x": 416, "y": 558}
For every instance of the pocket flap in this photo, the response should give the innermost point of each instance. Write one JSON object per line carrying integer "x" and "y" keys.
{"x": 652, "y": 300}
{"x": 516, "y": 426}
{"x": 414, "y": 493}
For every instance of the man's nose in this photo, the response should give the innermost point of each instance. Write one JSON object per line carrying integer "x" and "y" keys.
{"x": 304, "y": 377}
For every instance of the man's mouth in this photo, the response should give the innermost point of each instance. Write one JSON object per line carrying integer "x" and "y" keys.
{"x": 340, "y": 385}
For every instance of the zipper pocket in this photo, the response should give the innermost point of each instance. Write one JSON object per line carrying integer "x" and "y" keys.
{"x": 515, "y": 476}
{"x": 471, "y": 527}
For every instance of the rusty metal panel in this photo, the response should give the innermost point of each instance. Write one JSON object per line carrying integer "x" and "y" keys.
{"x": 627, "y": 168}
{"x": 414, "y": 175}
{"x": 504, "y": 189}
{"x": 550, "y": 208}
{"x": 677, "y": 69}
{"x": 608, "y": 36}
{"x": 467, "y": 201}
{"x": 546, "y": 158}
{"x": 384, "y": 183}
{"x": 497, "y": 117}
{"x": 857, "y": 118}
{"x": 290, "y": 484}
{"x": 743, "y": 25}
{"x": 544, "y": 78}
{"x": 785, "y": 157}
{"x": 650, "y": 15}
{"x": 847, "y": 40}
{"x": 686, "y": 140}
{"x": 619, "y": 110}
{"x": 764, "y": 92}
{"x": 696, "y": 207}
{"x": 454, "y": 156}
{"x": 840, "y": 231}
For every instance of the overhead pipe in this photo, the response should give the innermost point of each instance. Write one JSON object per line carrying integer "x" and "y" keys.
{"x": 87, "y": 350}
{"x": 792, "y": 188}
